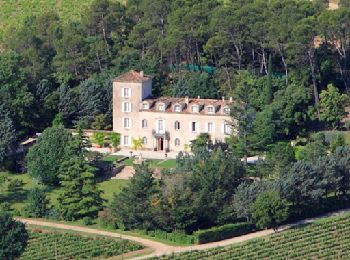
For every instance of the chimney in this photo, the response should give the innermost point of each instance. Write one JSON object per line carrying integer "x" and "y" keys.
{"x": 141, "y": 73}
{"x": 230, "y": 99}
{"x": 187, "y": 100}
{"x": 223, "y": 98}
{"x": 199, "y": 97}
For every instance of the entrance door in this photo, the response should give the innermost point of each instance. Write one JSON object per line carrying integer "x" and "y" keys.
{"x": 160, "y": 144}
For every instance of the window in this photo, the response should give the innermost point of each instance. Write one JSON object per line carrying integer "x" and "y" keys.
{"x": 161, "y": 107}
{"x": 226, "y": 111}
{"x": 144, "y": 140}
{"x": 210, "y": 110}
{"x": 126, "y": 92}
{"x": 194, "y": 126}
{"x": 210, "y": 127}
{"x": 227, "y": 129}
{"x": 177, "y": 125}
{"x": 177, "y": 142}
{"x": 195, "y": 109}
{"x": 126, "y": 140}
{"x": 126, "y": 122}
{"x": 126, "y": 107}
{"x": 160, "y": 125}
{"x": 145, "y": 106}
{"x": 144, "y": 123}
{"x": 177, "y": 108}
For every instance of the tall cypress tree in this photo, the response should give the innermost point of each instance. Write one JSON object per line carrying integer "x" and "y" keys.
{"x": 80, "y": 196}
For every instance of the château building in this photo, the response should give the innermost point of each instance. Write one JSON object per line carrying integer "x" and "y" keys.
{"x": 164, "y": 123}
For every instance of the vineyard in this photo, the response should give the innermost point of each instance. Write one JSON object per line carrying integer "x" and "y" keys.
{"x": 326, "y": 239}
{"x": 57, "y": 245}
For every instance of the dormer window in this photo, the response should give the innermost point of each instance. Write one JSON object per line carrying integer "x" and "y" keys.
{"x": 161, "y": 107}
{"x": 210, "y": 109}
{"x": 145, "y": 106}
{"x": 226, "y": 110}
{"x": 195, "y": 109}
{"x": 177, "y": 108}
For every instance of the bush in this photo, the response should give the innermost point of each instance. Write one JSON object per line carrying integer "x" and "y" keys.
{"x": 88, "y": 221}
{"x": 15, "y": 185}
{"x": 175, "y": 236}
{"x": 223, "y": 232}
{"x": 106, "y": 219}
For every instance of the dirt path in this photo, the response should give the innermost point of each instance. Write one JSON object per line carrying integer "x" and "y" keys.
{"x": 163, "y": 249}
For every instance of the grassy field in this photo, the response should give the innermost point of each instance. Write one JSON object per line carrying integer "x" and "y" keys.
{"x": 154, "y": 163}
{"x": 51, "y": 244}
{"x": 327, "y": 238}
{"x": 18, "y": 198}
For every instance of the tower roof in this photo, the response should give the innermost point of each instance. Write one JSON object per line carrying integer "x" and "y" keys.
{"x": 133, "y": 77}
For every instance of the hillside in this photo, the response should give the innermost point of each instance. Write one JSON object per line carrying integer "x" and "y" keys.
{"x": 14, "y": 12}
{"x": 325, "y": 239}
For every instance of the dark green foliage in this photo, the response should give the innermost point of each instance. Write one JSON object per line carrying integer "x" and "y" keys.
{"x": 79, "y": 196}
{"x": 37, "y": 202}
{"x": 13, "y": 237}
{"x": 223, "y": 232}
{"x": 140, "y": 192}
{"x": 44, "y": 159}
{"x": 7, "y": 134}
{"x": 269, "y": 210}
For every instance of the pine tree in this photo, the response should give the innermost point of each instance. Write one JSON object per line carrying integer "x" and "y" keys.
{"x": 80, "y": 196}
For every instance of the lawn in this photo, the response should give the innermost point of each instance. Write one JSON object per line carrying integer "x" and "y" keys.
{"x": 18, "y": 198}
{"x": 109, "y": 187}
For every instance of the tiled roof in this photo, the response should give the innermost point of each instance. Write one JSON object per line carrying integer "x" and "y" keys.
{"x": 133, "y": 77}
{"x": 187, "y": 103}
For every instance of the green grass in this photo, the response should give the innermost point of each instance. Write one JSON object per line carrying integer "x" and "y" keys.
{"x": 17, "y": 199}
{"x": 109, "y": 187}
{"x": 112, "y": 158}
{"x": 327, "y": 238}
{"x": 50, "y": 244}
{"x": 168, "y": 164}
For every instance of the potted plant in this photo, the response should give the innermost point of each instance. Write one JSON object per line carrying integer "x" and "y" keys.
{"x": 115, "y": 141}
{"x": 99, "y": 139}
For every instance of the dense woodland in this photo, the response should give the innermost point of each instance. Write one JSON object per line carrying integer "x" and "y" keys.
{"x": 285, "y": 62}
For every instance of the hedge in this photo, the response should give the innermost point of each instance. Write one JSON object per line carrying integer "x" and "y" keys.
{"x": 178, "y": 237}
{"x": 223, "y": 232}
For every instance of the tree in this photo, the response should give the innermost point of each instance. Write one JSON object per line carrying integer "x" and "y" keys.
{"x": 269, "y": 210}
{"x": 7, "y": 134}
{"x": 44, "y": 159}
{"x": 337, "y": 142}
{"x": 136, "y": 143}
{"x": 115, "y": 139}
{"x": 13, "y": 237}
{"x": 37, "y": 202}
{"x": 279, "y": 158}
{"x": 332, "y": 105}
{"x": 99, "y": 138}
{"x": 246, "y": 194}
{"x": 140, "y": 192}
{"x": 80, "y": 196}
{"x": 202, "y": 141}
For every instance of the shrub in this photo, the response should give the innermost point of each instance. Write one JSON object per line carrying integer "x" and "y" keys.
{"x": 99, "y": 138}
{"x": 175, "y": 236}
{"x": 88, "y": 221}
{"x": 223, "y": 232}
{"x": 106, "y": 219}
{"x": 15, "y": 185}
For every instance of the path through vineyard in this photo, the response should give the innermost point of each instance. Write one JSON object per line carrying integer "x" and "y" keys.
{"x": 163, "y": 249}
